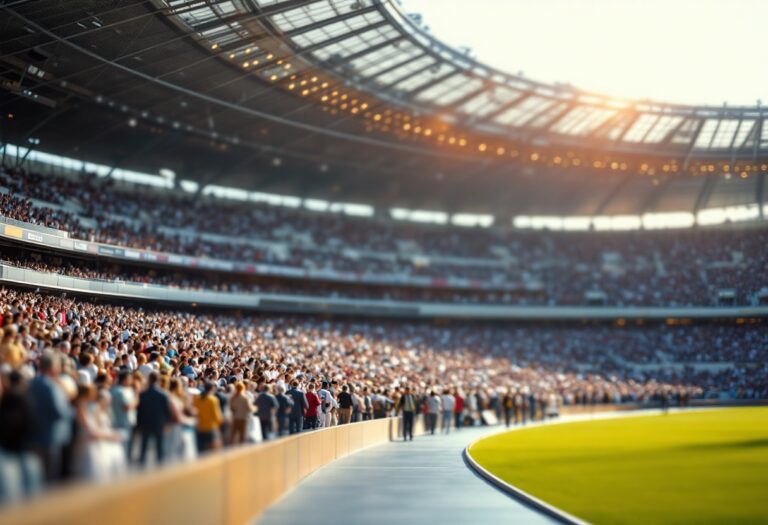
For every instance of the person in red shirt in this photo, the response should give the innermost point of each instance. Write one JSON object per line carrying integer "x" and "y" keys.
{"x": 458, "y": 408}
{"x": 313, "y": 402}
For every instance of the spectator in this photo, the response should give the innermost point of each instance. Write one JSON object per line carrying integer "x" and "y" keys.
{"x": 447, "y": 403}
{"x": 152, "y": 419}
{"x": 407, "y": 405}
{"x": 345, "y": 406}
{"x": 53, "y": 417}
{"x": 209, "y": 420}
{"x": 242, "y": 412}
{"x": 434, "y": 406}
{"x": 284, "y": 407}
{"x": 299, "y": 410}
{"x": 182, "y": 444}
{"x": 311, "y": 418}
{"x": 101, "y": 451}
{"x": 267, "y": 405}
{"x": 16, "y": 434}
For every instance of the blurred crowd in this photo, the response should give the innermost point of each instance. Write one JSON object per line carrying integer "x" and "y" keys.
{"x": 662, "y": 268}
{"x": 91, "y": 390}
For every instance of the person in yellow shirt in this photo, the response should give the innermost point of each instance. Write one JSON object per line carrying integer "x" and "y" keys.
{"x": 11, "y": 351}
{"x": 209, "y": 420}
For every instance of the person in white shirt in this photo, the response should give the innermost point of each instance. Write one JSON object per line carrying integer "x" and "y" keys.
{"x": 327, "y": 404}
{"x": 434, "y": 404}
{"x": 448, "y": 404}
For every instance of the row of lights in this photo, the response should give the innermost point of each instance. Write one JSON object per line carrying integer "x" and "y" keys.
{"x": 408, "y": 126}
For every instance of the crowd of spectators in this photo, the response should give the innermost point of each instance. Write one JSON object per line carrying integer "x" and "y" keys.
{"x": 91, "y": 390}
{"x": 663, "y": 268}
{"x": 234, "y": 283}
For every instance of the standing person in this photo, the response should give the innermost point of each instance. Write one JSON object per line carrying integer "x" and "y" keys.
{"x": 458, "y": 408}
{"x": 507, "y": 407}
{"x": 448, "y": 404}
{"x": 345, "y": 406}
{"x": 152, "y": 418}
{"x": 407, "y": 405}
{"x": 299, "y": 410}
{"x": 379, "y": 402}
{"x": 357, "y": 405}
{"x": 524, "y": 406}
{"x": 311, "y": 418}
{"x": 553, "y": 405}
{"x": 532, "y": 405}
{"x": 53, "y": 416}
{"x": 268, "y": 405}
{"x": 182, "y": 444}
{"x": 367, "y": 404}
{"x": 471, "y": 407}
{"x": 242, "y": 410}
{"x": 434, "y": 405}
{"x": 209, "y": 419}
{"x": 101, "y": 452}
{"x": 326, "y": 405}
{"x": 17, "y": 426}
{"x": 124, "y": 404}
{"x": 664, "y": 400}
{"x": 285, "y": 405}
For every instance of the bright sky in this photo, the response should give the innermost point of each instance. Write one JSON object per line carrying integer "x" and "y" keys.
{"x": 682, "y": 51}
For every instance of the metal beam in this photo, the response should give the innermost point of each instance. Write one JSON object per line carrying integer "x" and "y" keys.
{"x": 689, "y": 153}
{"x": 670, "y": 135}
{"x": 143, "y": 148}
{"x": 504, "y": 107}
{"x": 608, "y": 124}
{"x": 630, "y": 124}
{"x": 655, "y": 195}
{"x": 704, "y": 193}
{"x": 453, "y": 106}
{"x": 432, "y": 83}
{"x": 394, "y": 67}
{"x": 536, "y": 114}
{"x": 227, "y": 104}
{"x": 339, "y": 38}
{"x": 410, "y": 75}
{"x": 328, "y": 21}
{"x": 613, "y": 193}
{"x": 556, "y": 118}
{"x": 259, "y": 12}
{"x": 371, "y": 49}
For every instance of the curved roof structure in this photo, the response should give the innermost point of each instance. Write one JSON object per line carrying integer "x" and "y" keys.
{"x": 374, "y": 48}
{"x": 332, "y": 98}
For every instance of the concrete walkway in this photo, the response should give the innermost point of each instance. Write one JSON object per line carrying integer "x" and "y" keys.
{"x": 422, "y": 481}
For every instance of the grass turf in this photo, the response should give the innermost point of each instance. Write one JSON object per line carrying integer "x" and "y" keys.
{"x": 692, "y": 467}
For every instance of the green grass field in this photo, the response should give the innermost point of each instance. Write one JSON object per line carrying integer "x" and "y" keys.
{"x": 694, "y": 467}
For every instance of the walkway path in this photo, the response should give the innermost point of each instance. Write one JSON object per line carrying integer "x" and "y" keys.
{"x": 422, "y": 481}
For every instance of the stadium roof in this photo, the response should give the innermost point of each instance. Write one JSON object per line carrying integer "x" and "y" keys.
{"x": 343, "y": 98}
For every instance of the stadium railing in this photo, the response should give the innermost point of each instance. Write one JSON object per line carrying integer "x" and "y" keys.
{"x": 14, "y": 275}
{"x": 232, "y": 487}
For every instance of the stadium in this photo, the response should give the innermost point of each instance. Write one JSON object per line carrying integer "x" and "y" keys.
{"x": 270, "y": 261}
